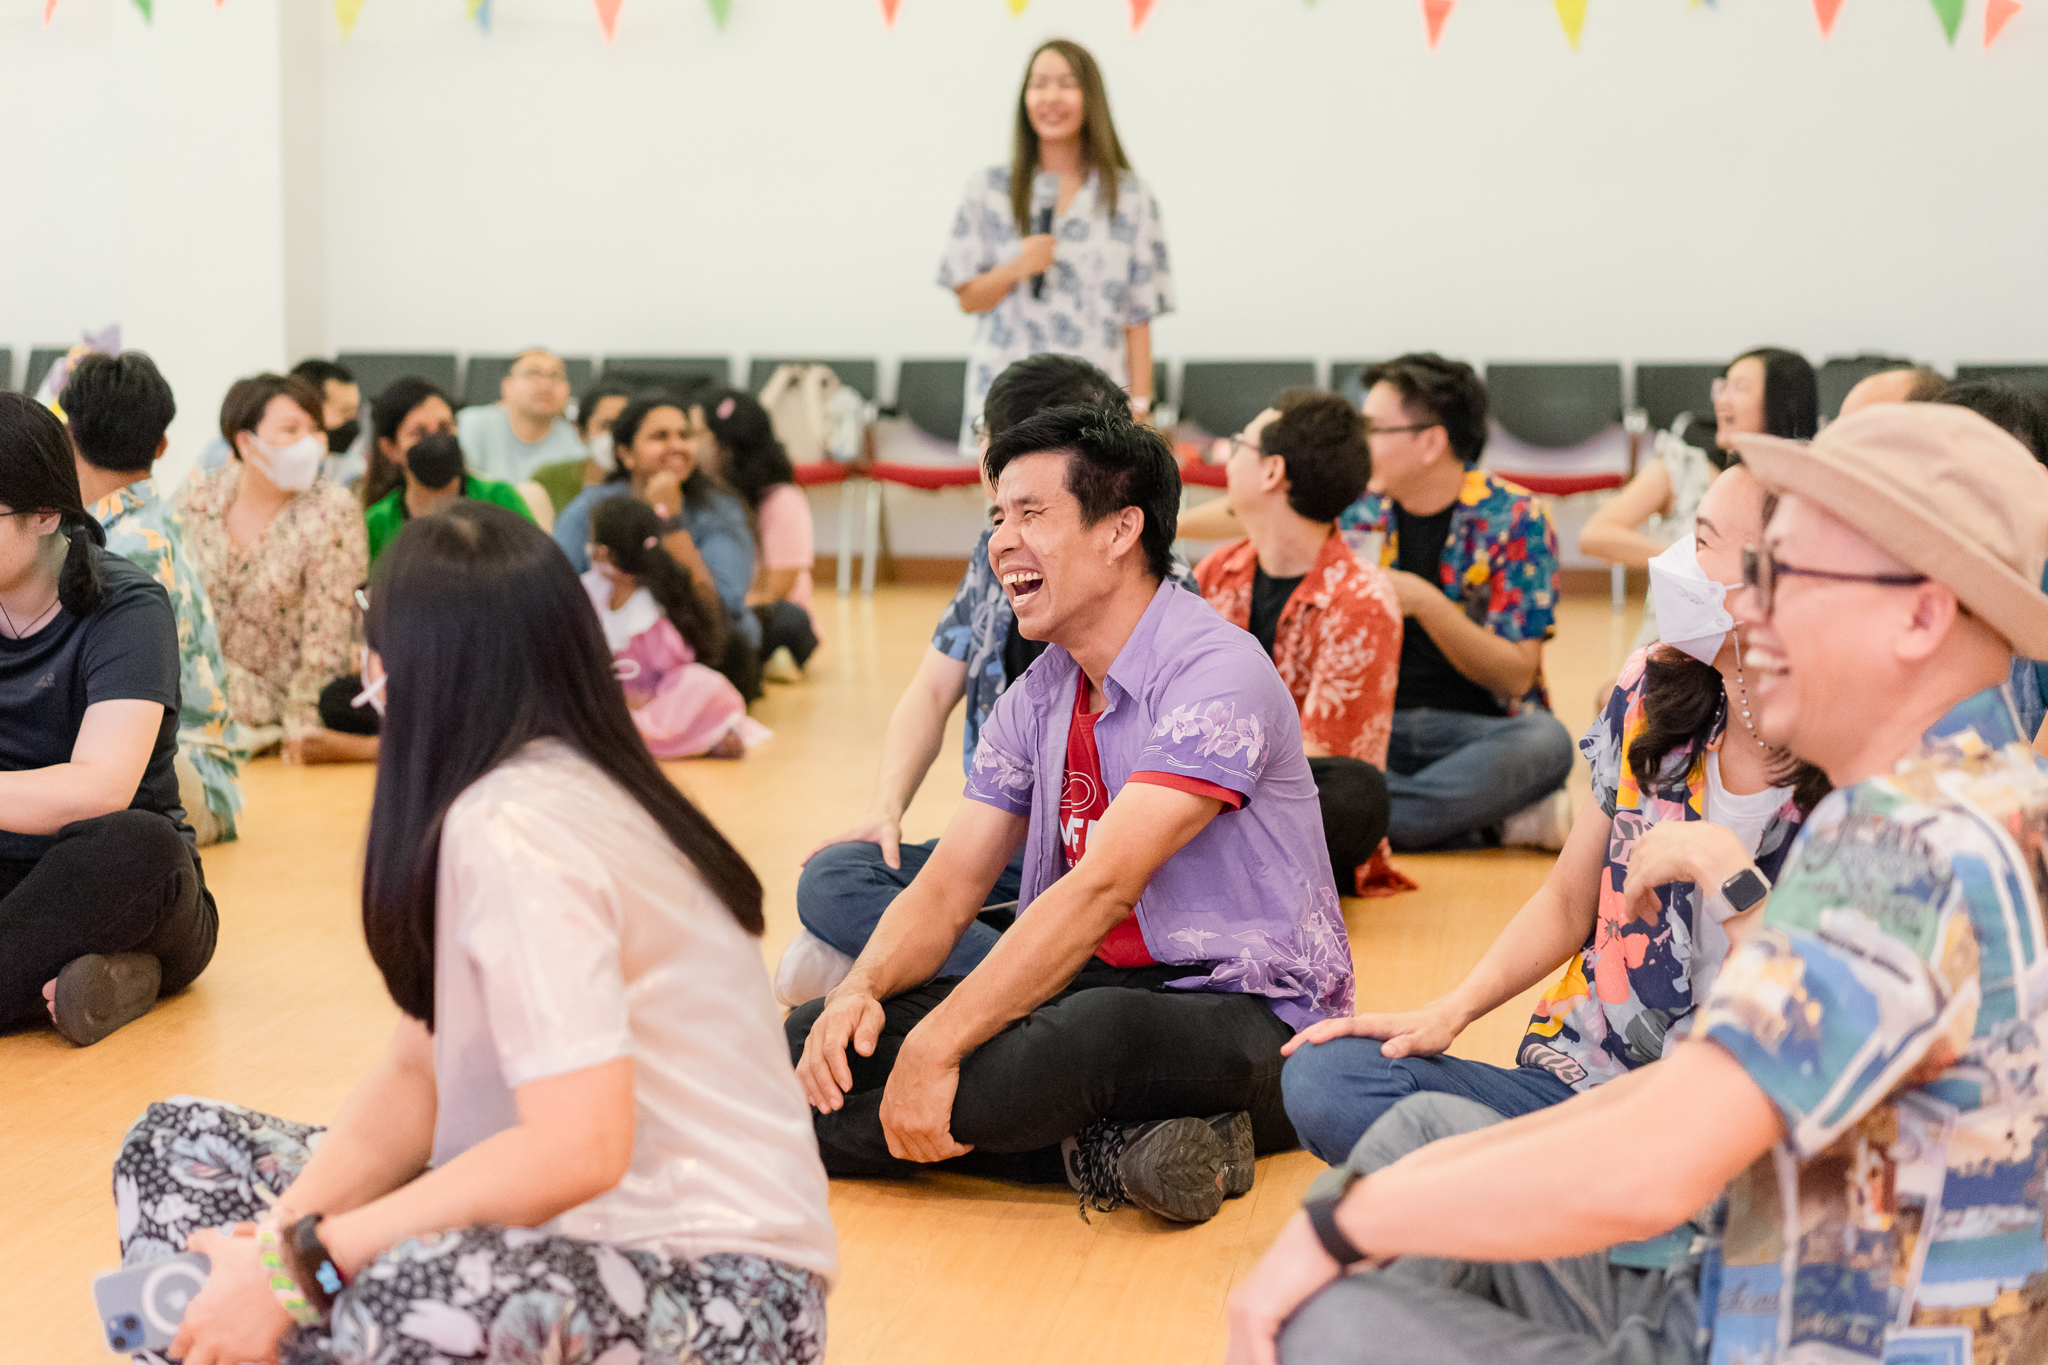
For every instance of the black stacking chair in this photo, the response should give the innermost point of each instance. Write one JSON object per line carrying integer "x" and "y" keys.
{"x": 483, "y": 373}
{"x": 859, "y": 375}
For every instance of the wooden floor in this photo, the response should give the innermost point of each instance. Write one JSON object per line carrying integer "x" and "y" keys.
{"x": 940, "y": 1269}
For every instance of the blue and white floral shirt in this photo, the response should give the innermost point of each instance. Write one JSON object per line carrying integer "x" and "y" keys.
{"x": 1108, "y": 273}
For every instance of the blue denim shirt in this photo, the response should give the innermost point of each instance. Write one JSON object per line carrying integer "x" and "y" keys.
{"x": 719, "y": 527}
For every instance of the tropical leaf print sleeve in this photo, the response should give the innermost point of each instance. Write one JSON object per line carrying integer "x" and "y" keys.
{"x": 1001, "y": 775}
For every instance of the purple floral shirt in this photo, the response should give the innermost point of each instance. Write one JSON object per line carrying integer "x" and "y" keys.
{"x": 1247, "y": 906}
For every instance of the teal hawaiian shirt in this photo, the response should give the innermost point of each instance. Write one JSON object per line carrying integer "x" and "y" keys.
{"x": 143, "y": 528}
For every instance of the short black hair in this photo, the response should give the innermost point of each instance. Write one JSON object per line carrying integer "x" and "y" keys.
{"x": 1321, "y": 438}
{"x": 1112, "y": 463}
{"x": 118, "y": 407}
{"x": 1449, "y": 392}
{"x": 2005, "y": 407}
{"x": 597, "y": 393}
{"x": 1039, "y": 382}
{"x": 320, "y": 373}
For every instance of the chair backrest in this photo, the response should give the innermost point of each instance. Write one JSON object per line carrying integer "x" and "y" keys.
{"x": 1555, "y": 406}
{"x": 1842, "y": 373}
{"x": 858, "y": 375}
{"x": 376, "y": 370}
{"x": 932, "y": 394}
{"x": 2027, "y": 378}
{"x": 482, "y": 374}
{"x": 1220, "y": 396}
{"x": 6, "y": 369}
{"x": 1667, "y": 391}
{"x": 668, "y": 371}
{"x": 1347, "y": 377}
{"x": 40, "y": 359}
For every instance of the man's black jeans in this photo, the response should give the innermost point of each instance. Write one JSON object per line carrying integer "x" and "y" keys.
{"x": 1114, "y": 1044}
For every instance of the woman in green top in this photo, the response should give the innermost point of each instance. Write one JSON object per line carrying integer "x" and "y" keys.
{"x": 416, "y": 467}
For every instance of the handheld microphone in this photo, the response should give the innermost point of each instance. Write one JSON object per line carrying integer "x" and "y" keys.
{"x": 1045, "y": 197}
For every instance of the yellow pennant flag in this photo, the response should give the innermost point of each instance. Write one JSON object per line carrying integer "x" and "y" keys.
{"x": 1017, "y": 6}
{"x": 1572, "y": 14}
{"x": 345, "y": 12}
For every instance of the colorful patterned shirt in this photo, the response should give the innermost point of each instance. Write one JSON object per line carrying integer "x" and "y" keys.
{"x": 1499, "y": 562}
{"x": 1625, "y": 993}
{"x": 1892, "y": 1005}
{"x": 143, "y": 528}
{"x": 1247, "y": 904}
{"x": 283, "y": 603}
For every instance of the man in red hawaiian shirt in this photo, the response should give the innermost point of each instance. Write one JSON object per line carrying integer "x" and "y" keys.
{"x": 1331, "y": 624}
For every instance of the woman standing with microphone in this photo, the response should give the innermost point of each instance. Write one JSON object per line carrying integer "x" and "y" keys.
{"x": 1062, "y": 250}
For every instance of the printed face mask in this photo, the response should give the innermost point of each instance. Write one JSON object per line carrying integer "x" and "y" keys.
{"x": 601, "y": 451}
{"x": 294, "y": 467}
{"x": 1690, "y": 614}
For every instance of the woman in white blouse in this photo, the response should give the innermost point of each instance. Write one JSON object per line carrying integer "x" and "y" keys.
{"x": 585, "y": 1141}
{"x": 1104, "y": 261}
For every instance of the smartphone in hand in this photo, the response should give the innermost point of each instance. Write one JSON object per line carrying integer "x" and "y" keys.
{"x": 141, "y": 1306}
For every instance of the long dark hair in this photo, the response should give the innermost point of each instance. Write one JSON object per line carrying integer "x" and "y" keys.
{"x": 1100, "y": 149}
{"x": 37, "y": 475}
{"x": 388, "y": 411}
{"x": 1685, "y": 704}
{"x": 630, "y": 532}
{"x": 1791, "y": 399}
{"x": 755, "y": 460}
{"x": 491, "y": 643}
{"x": 697, "y": 489}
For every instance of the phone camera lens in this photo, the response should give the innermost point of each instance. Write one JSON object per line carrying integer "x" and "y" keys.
{"x": 130, "y": 1323}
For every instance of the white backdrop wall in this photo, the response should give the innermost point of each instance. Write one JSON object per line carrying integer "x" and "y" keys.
{"x": 1693, "y": 182}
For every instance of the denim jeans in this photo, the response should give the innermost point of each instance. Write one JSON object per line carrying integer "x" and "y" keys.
{"x": 1578, "y": 1310}
{"x": 845, "y": 888}
{"x": 1451, "y": 774}
{"x": 1336, "y": 1091}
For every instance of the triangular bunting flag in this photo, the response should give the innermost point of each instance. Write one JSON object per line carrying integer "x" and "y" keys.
{"x": 1139, "y": 9}
{"x": 1997, "y": 15}
{"x": 345, "y": 12}
{"x": 49, "y": 8}
{"x": 608, "y": 17}
{"x": 720, "y": 10}
{"x": 480, "y": 13}
{"x": 1951, "y": 13}
{"x": 1825, "y": 11}
{"x": 1017, "y": 6}
{"x": 143, "y": 5}
{"x": 1572, "y": 14}
{"x": 1434, "y": 12}
{"x": 889, "y": 8}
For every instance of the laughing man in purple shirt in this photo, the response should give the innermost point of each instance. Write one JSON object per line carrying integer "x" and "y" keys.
{"x": 1177, "y": 920}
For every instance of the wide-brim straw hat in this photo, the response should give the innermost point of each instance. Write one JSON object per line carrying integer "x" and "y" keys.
{"x": 1941, "y": 488}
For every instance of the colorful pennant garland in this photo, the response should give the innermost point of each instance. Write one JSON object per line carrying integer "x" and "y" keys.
{"x": 889, "y": 8}
{"x": 148, "y": 17}
{"x": 1434, "y": 12}
{"x": 608, "y": 17}
{"x": 1951, "y": 15}
{"x": 1825, "y": 11}
{"x": 1997, "y": 14}
{"x": 720, "y": 9}
{"x": 480, "y": 13}
{"x": 1017, "y": 7}
{"x": 345, "y": 13}
{"x": 1139, "y": 10}
{"x": 49, "y": 8}
{"x": 1572, "y": 14}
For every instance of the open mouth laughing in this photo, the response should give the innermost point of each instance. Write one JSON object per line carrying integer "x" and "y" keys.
{"x": 1022, "y": 583}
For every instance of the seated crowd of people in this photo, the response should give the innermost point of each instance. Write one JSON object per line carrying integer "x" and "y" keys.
{"x": 1780, "y": 1102}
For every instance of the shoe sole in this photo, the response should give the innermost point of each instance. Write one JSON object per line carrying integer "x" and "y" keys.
{"x": 1240, "y": 1162}
{"x": 97, "y": 994}
{"x": 1175, "y": 1171}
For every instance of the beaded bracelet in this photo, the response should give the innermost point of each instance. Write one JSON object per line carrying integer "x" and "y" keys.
{"x": 289, "y": 1295}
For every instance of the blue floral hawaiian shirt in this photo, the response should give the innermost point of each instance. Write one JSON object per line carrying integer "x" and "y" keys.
{"x": 1247, "y": 905}
{"x": 1499, "y": 563}
{"x": 1108, "y": 273}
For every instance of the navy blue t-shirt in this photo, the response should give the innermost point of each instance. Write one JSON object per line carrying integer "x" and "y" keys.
{"x": 127, "y": 650}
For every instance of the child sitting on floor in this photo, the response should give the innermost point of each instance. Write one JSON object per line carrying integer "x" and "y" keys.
{"x": 658, "y": 626}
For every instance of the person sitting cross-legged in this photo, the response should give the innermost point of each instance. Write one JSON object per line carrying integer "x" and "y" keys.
{"x": 1177, "y": 919}
{"x": 1860, "y": 1098}
{"x": 1331, "y": 624}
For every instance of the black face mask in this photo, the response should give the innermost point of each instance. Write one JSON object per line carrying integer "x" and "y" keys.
{"x": 343, "y": 436}
{"x": 436, "y": 461}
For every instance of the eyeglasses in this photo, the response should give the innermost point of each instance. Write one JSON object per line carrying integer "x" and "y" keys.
{"x": 1237, "y": 443}
{"x": 1730, "y": 388}
{"x": 1761, "y": 571}
{"x": 1372, "y": 429}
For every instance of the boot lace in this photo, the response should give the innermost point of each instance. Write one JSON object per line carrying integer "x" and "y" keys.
{"x": 1097, "y": 1149}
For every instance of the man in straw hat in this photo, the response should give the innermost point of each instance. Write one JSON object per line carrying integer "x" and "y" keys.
{"x": 1861, "y": 1106}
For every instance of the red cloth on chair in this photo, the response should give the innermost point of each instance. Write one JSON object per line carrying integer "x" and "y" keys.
{"x": 927, "y": 476}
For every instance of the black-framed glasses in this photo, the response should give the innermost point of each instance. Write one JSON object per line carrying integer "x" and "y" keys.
{"x": 1237, "y": 443}
{"x": 1761, "y": 571}
{"x": 1373, "y": 429}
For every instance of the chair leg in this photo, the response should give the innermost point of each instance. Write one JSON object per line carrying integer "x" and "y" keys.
{"x": 1618, "y": 577}
{"x": 871, "y": 540}
{"x": 845, "y": 537}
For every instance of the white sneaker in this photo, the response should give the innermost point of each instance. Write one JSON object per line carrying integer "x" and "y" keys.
{"x": 809, "y": 967}
{"x": 782, "y": 667}
{"x": 1545, "y": 824}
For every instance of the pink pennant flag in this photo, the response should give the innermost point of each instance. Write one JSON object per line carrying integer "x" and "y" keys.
{"x": 889, "y": 8}
{"x": 1997, "y": 14}
{"x": 1825, "y": 11}
{"x": 608, "y": 17}
{"x": 1434, "y": 12}
{"x": 49, "y": 8}
{"x": 1139, "y": 9}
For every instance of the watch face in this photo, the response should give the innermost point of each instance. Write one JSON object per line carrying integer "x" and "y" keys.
{"x": 1745, "y": 889}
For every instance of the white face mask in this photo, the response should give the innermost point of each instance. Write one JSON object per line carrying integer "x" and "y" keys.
{"x": 372, "y": 694}
{"x": 294, "y": 467}
{"x": 601, "y": 451}
{"x": 1690, "y": 614}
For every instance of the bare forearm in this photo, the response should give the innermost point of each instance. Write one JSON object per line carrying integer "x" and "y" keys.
{"x": 1536, "y": 942}
{"x": 44, "y": 800}
{"x": 1499, "y": 665}
{"x": 382, "y": 1138}
{"x": 989, "y": 288}
{"x": 916, "y": 935}
{"x": 1138, "y": 357}
{"x": 1618, "y": 544}
{"x": 1215, "y": 519}
{"x": 917, "y": 729}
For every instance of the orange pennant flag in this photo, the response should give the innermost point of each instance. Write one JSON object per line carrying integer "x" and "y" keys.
{"x": 49, "y": 8}
{"x": 345, "y": 12}
{"x": 608, "y": 17}
{"x": 1434, "y": 12}
{"x": 889, "y": 8}
{"x": 1139, "y": 9}
{"x": 1825, "y": 11}
{"x": 1997, "y": 15}
{"x": 1572, "y": 14}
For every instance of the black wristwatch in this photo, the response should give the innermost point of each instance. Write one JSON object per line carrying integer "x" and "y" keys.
{"x": 1322, "y": 1216}
{"x": 1745, "y": 889}
{"x": 312, "y": 1265}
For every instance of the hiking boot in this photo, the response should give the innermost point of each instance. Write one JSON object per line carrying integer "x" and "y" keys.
{"x": 97, "y": 994}
{"x": 1234, "y": 1132}
{"x": 1171, "y": 1167}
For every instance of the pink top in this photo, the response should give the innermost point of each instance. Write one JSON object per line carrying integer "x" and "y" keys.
{"x": 786, "y": 540}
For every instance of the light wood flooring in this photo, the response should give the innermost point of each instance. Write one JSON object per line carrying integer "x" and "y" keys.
{"x": 940, "y": 1269}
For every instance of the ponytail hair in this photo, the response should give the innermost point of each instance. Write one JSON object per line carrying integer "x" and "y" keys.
{"x": 37, "y": 474}
{"x": 1685, "y": 704}
{"x": 630, "y": 532}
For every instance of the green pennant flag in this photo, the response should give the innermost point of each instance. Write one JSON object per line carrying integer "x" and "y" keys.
{"x": 144, "y": 6}
{"x": 1951, "y": 12}
{"x": 720, "y": 9}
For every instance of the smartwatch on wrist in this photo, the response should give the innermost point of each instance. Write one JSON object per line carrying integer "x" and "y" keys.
{"x": 1745, "y": 889}
{"x": 311, "y": 1264}
{"x": 1322, "y": 1216}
